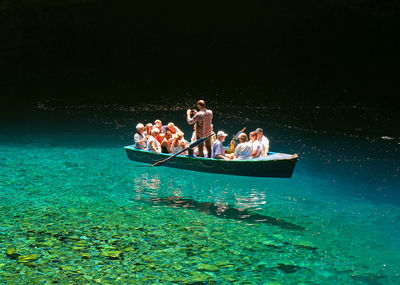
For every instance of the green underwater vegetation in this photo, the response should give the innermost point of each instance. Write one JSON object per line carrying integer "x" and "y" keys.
{"x": 90, "y": 216}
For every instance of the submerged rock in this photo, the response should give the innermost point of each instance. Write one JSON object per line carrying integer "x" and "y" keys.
{"x": 207, "y": 267}
{"x": 12, "y": 253}
{"x": 28, "y": 258}
{"x": 112, "y": 254}
{"x": 287, "y": 268}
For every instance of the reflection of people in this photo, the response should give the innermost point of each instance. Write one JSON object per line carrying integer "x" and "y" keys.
{"x": 202, "y": 119}
{"x": 152, "y": 142}
{"x": 264, "y": 142}
{"x": 244, "y": 149}
{"x": 218, "y": 151}
{"x": 140, "y": 138}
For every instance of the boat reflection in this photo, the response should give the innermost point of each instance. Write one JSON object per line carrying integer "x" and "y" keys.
{"x": 224, "y": 211}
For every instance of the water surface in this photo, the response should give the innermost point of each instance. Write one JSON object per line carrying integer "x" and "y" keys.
{"x": 74, "y": 209}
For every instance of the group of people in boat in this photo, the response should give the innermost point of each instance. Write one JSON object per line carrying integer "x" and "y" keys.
{"x": 169, "y": 138}
{"x": 256, "y": 147}
{"x": 159, "y": 138}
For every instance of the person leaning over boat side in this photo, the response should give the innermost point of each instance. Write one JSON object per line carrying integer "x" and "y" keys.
{"x": 256, "y": 145}
{"x": 140, "y": 138}
{"x": 152, "y": 143}
{"x": 218, "y": 151}
{"x": 178, "y": 143}
{"x": 244, "y": 149}
{"x": 160, "y": 126}
{"x": 202, "y": 119}
{"x": 166, "y": 142}
{"x": 264, "y": 142}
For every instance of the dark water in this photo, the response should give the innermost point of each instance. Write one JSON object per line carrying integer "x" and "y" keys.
{"x": 74, "y": 208}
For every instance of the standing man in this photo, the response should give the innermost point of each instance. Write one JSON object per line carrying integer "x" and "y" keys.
{"x": 202, "y": 119}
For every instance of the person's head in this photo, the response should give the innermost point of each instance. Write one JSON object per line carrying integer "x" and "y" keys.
{"x": 253, "y": 136}
{"x": 158, "y": 123}
{"x": 149, "y": 127}
{"x": 168, "y": 134}
{"x": 155, "y": 132}
{"x": 179, "y": 136}
{"x": 171, "y": 127}
{"x": 140, "y": 128}
{"x": 243, "y": 138}
{"x": 221, "y": 136}
{"x": 260, "y": 133}
{"x": 201, "y": 104}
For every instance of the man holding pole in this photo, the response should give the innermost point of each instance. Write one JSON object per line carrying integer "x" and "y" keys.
{"x": 203, "y": 121}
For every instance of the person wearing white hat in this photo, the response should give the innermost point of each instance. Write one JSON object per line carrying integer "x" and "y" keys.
{"x": 218, "y": 151}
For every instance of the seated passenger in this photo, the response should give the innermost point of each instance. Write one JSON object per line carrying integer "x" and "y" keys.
{"x": 166, "y": 142}
{"x": 244, "y": 149}
{"x": 140, "y": 138}
{"x": 159, "y": 125}
{"x": 174, "y": 129}
{"x": 218, "y": 151}
{"x": 264, "y": 142}
{"x": 148, "y": 128}
{"x": 256, "y": 145}
{"x": 152, "y": 143}
{"x": 194, "y": 136}
{"x": 178, "y": 143}
{"x": 214, "y": 137}
{"x": 160, "y": 136}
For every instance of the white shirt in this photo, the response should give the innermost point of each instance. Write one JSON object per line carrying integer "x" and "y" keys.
{"x": 257, "y": 146}
{"x": 244, "y": 150}
{"x": 157, "y": 144}
{"x": 177, "y": 148}
{"x": 138, "y": 137}
{"x": 265, "y": 146}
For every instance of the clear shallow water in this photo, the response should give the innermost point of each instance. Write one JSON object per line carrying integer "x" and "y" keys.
{"x": 73, "y": 208}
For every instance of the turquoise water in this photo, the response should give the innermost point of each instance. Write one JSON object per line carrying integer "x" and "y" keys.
{"x": 75, "y": 210}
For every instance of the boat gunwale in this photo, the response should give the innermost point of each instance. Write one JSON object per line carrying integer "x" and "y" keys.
{"x": 293, "y": 157}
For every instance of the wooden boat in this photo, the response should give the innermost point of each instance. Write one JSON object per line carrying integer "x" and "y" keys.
{"x": 274, "y": 165}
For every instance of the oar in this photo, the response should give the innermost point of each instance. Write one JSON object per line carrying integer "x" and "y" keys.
{"x": 192, "y": 145}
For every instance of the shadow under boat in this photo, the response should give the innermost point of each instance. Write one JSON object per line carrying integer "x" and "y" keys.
{"x": 224, "y": 211}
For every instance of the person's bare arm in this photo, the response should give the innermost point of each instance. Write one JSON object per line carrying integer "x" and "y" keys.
{"x": 153, "y": 146}
{"x": 221, "y": 156}
{"x": 143, "y": 139}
